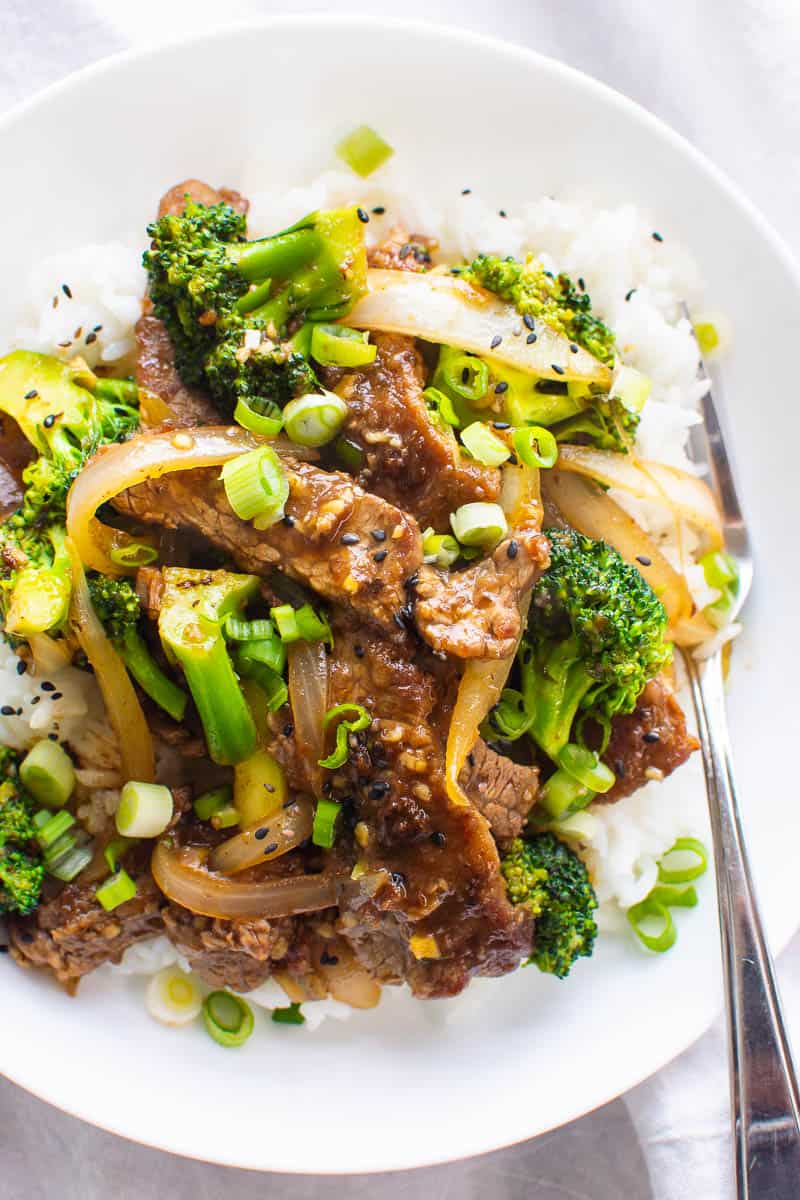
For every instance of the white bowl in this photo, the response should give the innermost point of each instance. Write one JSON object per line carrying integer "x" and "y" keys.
{"x": 397, "y": 1087}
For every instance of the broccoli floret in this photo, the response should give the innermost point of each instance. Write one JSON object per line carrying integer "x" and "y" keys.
{"x": 21, "y": 869}
{"x": 35, "y": 578}
{"x": 552, "y": 298}
{"x": 550, "y": 881}
{"x": 606, "y": 424}
{"x": 118, "y": 607}
{"x": 228, "y": 303}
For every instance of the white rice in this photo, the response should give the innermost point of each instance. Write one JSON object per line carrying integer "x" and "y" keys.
{"x": 637, "y": 284}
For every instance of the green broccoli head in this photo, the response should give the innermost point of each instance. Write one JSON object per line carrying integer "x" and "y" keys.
{"x": 35, "y": 577}
{"x": 21, "y": 868}
{"x": 266, "y": 379}
{"x": 116, "y": 604}
{"x": 552, "y": 298}
{"x": 550, "y": 881}
{"x": 606, "y": 424}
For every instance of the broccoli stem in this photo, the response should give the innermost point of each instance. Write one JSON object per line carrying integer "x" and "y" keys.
{"x": 553, "y": 687}
{"x": 275, "y": 257}
{"x": 134, "y": 652}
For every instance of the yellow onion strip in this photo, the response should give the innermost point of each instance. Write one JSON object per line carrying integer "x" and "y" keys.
{"x": 265, "y": 839}
{"x": 153, "y": 410}
{"x": 685, "y": 495}
{"x": 125, "y": 464}
{"x": 308, "y": 696}
{"x": 183, "y": 876}
{"x": 122, "y": 703}
{"x": 344, "y": 977}
{"x": 590, "y": 510}
{"x": 449, "y": 311}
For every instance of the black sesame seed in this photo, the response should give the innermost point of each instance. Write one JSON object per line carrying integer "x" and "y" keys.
{"x": 288, "y": 520}
{"x": 558, "y": 370}
{"x": 7, "y": 711}
{"x": 362, "y": 215}
{"x": 573, "y": 348}
{"x": 501, "y": 387}
{"x": 379, "y": 788}
{"x": 261, "y": 833}
{"x": 632, "y": 292}
{"x": 512, "y": 459}
{"x": 500, "y": 425}
{"x": 49, "y": 421}
{"x": 644, "y": 560}
{"x": 471, "y": 759}
{"x": 288, "y": 729}
{"x": 619, "y": 768}
{"x": 22, "y": 667}
{"x": 90, "y": 337}
{"x": 439, "y": 839}
{"x": 495, "y": 342}
{"x": 379, "y": 555}
{"x": 651, "y": 736}
{"x": 328, "y": 960}
{"x": 96, "y": 328}
{"x": 502, "y": 213}
{"x": 47, "y": 686}
{"x": 271, "y": 848}
{"x": 57, "y": 696}
{"x": 465, "y": 375}
{"x": 66, "y": 290}
{"x": 36, "y": 699}
{"x": 405, "y": 250}
{"x": 398, "y": 879}
{"x": 531, "y": 338}
{"x": 412, "y": 581}
{"x": 53, "y": 737}
{"x": 528, "y": 321}
{"x": 657, "y": 237}
{"x": 513, "y": 548}
{"x": 31, "y": 395}
{"x": 358, "y": 650}
{"x": 379, "y": 210}
{"x": 466, "y": 191}
{"x": 349, "y": 539}
{"x": 379, "y": 535}
{"x": 581, "y": 283}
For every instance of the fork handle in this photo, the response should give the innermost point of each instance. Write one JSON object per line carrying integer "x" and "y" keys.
{"x": 764, "y": 1089}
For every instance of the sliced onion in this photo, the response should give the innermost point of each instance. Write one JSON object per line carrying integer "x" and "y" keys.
{"x": 153, "y": 410}
{"x": 345, "y": 978}
{"x": 49, "y": 654}
{"x": 183, "y": 877}
{"x": 277, "y": 835}
{"x": 590, "y": 510}
{"x": 686, "y": 495}
{"x": 452, "y": 312}
{"x": 308, "y": 696}
{"x": 122, "y": 703}
{"x": 122, "y": 466}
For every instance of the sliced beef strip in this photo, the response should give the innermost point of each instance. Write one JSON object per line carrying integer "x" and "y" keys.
{"x": 229, "y": 954}
{"x": 401, "y": 251}
{"x": 504, "y": 791}
{"x": 649, "y": 743}
{"x": 174, "y": 200}
{"x": 72, "y": 934}
{"x": 312, "y": 544}
{"x": 474, "y": 613}
{"x": 431, "y": 866}
{"x": 156, "y": 371}
{"x": 409, "y": 459}
{"x": 15, "y": 454}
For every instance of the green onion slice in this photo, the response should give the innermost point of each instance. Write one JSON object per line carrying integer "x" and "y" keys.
{"x": 314, "y": 419}
{"x": 347, "y": 725}
{"x": 70, "y": 862}
{"x": 115, "y": 890}
{"x": 339, "y": 346}
{"x": 173, "y": 997}
{"x": 479, "y": 524}
{"x": 323, "y": 831}
{"x": 484, "y": 446}
{"x": 268, "y": 423}
{"x": 291, "y": 1015}
{"x": 294, "y": 624}
{"x": 465, "y": 375}
{"x": 252, "y": 661}
{"x": 674, "y": 897}
{"x": 256, "y": 486}
{"x": 145, "y": 809}
{"x": 563, "y": 794}
{"x": 47, "y": 773}
{"x": 50, "y": 830}
{"x": 675, "y": 874}
{"x": 586, "y": 767}
{"x": 719, "y": 569}
{"x": 364, "y": 150}
{"x": 227, "y": 1018}
{"x": 441, "y": 406}
{"x": 535, "y": 446}
{"x": 237, "y": 630}
{"x": 134, "y": 555}
{"x": 349, "y": 454}
{"x": 631, "y": 388}
{"x": 210, "y": 803}
{"x": 440, "y": 548}
{"x": 641, "y": 917}
{"x": 270, "y": 651}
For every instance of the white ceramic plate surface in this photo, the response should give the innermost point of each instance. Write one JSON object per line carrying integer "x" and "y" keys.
{"x": 397, "y": 1088}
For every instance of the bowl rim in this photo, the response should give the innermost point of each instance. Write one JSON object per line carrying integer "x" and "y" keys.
{"x": 452, "y": 35}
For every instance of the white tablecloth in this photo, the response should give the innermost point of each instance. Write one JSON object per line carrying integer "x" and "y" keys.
{"x": 727, "y": 76}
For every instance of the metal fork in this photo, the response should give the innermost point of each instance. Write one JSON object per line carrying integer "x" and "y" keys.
{"x": 764, "y": 1089}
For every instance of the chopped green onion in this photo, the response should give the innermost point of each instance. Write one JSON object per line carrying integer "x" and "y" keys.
{"x": 173, "y": 997}
{"x": 479, "y": 524}
{"x": 339, "y": 346}
{"x": 465, "y": 374}
{"x": 237, "y": 630}
{"x": 631, "y": 388}
{"x": 641, "y": 917}
{"x": 226, "y": 818}
{"x": 116, "y": 890}
{"x": 563, "y": 794}
{"x": 64, "y": 845}
{"x": 56, "y": 824}
{"x": 323, "y": 831}
{"x": 256, "y": 486}
{"x": 719, "y": 569}
{"x": 227, "y": 1018}
{"x": 349, "y": 454}
{"x": 291, "y": 1015}
{"x": 580, "y": 826}
{"x": 294, "y": 624}
{"x": 70, "y": 863}
{"x": 314, "y": 419}
{"x": 268, "y": 424}
{"x": 440, "y": 548}
{"x": 135, "y": 554}
{"x": 684, "y": 845}
{"x": 536, "y": 446}
{"x": 270, "y": 651}
{"x": 364, "y": 150}
{"x": 441, "y": 405}
{"x": 360, "y": 720}
{"x": 674, "y": 897}
{"x": 47, "y": 773}
{"x": 145, "y": 809}
{"x": 210, "y": 803}
{"x": 116, "y": 848}
{"x": 484, "y": 446}
{"x": 585, "y": 766}
{"x": 252, "y": 666}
